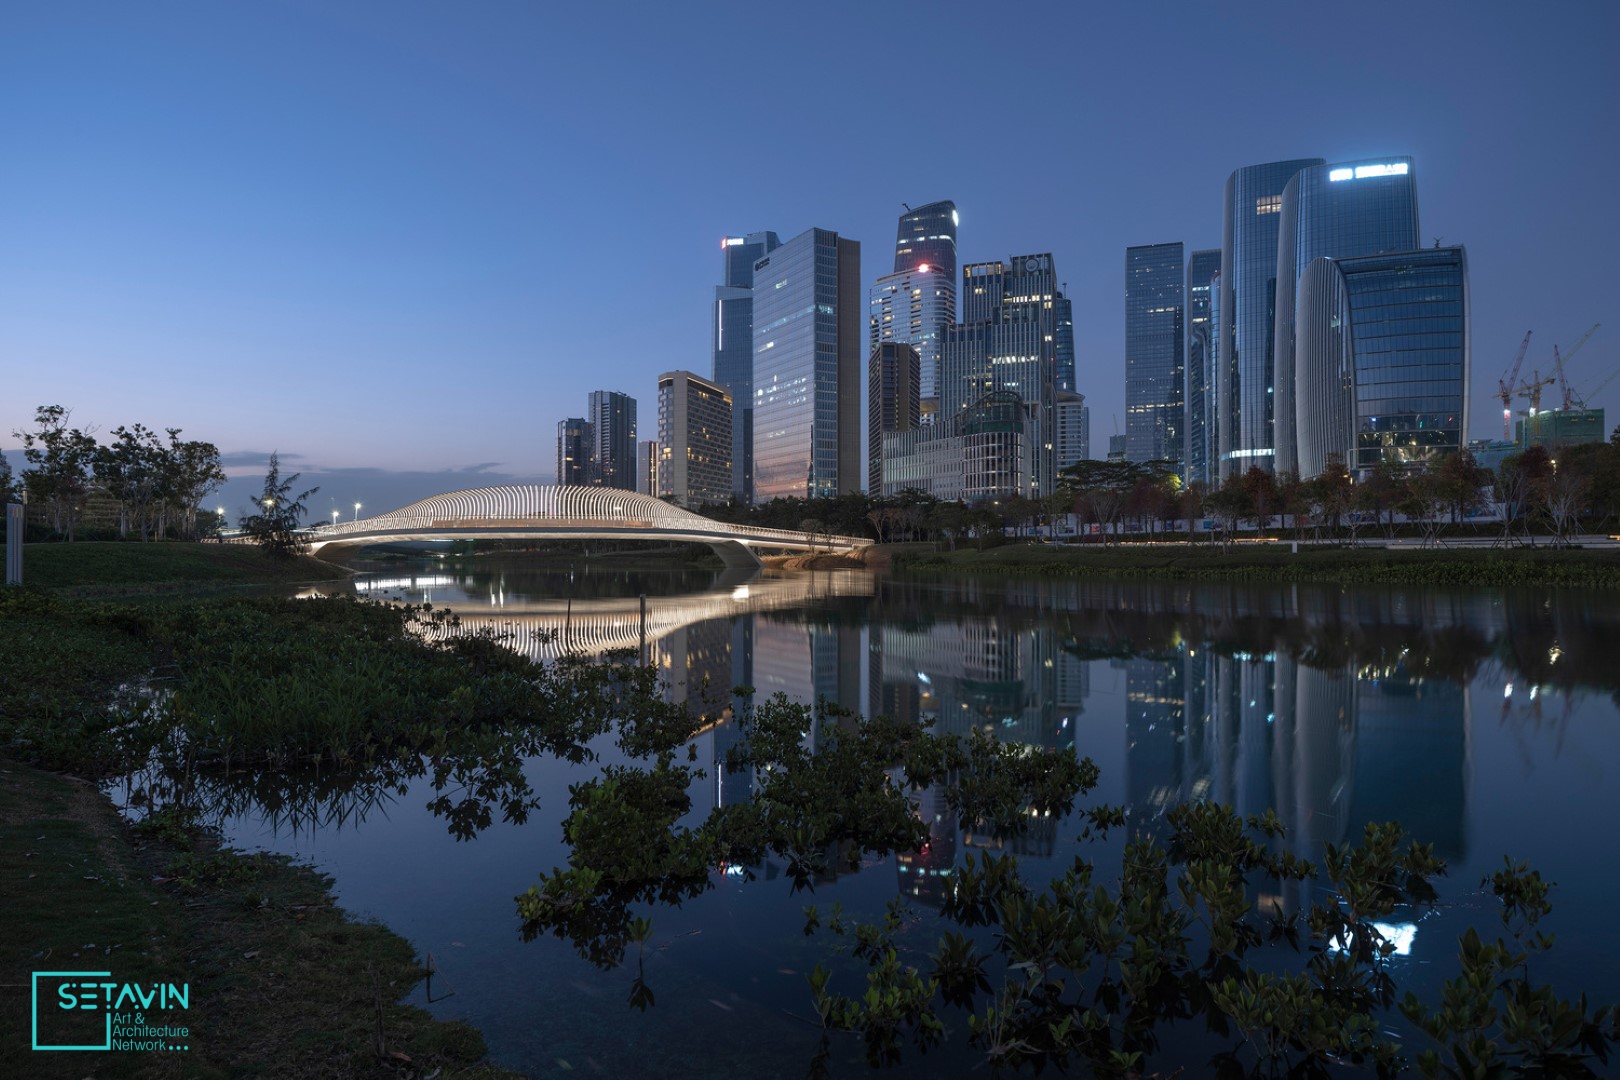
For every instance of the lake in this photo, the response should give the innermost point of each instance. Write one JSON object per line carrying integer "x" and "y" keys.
{"x": 1483, "y": 721}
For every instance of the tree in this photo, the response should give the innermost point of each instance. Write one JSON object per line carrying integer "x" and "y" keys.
{"x": 1229, "y": 504}
{"x": 192, "y": 472}
{"x": 275, "y": 527}
{"x": 8, "y": 485}
{"x": 61, "y": 458}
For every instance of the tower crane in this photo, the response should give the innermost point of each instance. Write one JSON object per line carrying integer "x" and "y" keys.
{"x": 1570, "y": 395}
{"x": 1507, "y": 388}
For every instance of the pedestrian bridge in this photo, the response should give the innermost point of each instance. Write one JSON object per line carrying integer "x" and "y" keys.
{"x": 556, "y": 512}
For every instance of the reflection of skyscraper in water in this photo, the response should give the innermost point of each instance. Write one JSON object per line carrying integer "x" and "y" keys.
{"x": 976, "y": 675}
{"x": 1329, "y": 749}
{"x": 1411, "y": 762}
{"x": 925, "y": 875}
{"x": 696, "y": 662}
{"x": 1155, "y": 734}
{"x": 733, "y": 788}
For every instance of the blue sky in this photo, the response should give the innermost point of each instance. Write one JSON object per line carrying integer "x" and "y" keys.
{"x": 399, "y": 241}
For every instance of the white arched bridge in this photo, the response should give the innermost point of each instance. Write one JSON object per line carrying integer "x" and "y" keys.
{"x": 555, "y": 512}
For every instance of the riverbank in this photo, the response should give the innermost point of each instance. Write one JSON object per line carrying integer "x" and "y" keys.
{"x": 1274, "y": 562}
{"x": 282, "y": 983}
{"x": 104, "y": 569}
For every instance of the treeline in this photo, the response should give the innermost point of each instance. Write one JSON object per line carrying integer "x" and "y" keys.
{"x": 1532, "y": 493}
{"x": 153, "y": 486}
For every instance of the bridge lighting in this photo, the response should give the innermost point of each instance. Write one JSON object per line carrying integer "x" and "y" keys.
{"x": 335, "y": 513}
{"x": 357, "y": 511}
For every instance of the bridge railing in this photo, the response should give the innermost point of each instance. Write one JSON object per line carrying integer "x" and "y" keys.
{"x": 722, "y": 530}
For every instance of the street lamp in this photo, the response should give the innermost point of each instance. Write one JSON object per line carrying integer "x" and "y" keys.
{"x": 357, "y": 511}
{"x": 335, "y": 512}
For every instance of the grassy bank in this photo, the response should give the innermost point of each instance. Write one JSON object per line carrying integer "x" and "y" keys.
{"x": 114, "y": 569}
{"x": 283, "y": 984}
{"x": 1275, "y": 562}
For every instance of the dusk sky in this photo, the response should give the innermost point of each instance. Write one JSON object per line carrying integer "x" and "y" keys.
{"x": 399, "y": 241}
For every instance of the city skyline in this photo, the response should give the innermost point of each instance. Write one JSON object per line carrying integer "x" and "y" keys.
{"x": 383, "y": 245}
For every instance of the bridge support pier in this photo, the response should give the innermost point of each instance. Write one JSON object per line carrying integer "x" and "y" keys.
{"x": 736, "y": 556}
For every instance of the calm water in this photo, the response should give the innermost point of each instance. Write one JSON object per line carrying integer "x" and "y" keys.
{"x": 1484, "y": 721}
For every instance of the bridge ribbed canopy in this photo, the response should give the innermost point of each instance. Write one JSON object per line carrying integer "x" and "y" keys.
{"x": 544, "y": 502}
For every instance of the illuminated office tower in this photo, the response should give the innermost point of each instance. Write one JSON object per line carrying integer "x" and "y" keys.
{"x": 734, "y": 345}
{"x": 807, "y": 368}
{"x": 1382, "y": 359}
{"x": 927, "y": 236}
{"x": 1202, "y": 269}
{"x": 915, "y": 306}
{"x": 1244, "y": 369}
{"x": 1007, "y": 343}
{"x": 694, "y": 440}
{"x": 613, "y": 427}
{"x": 1340, "y": 211}
{"x": 1155, "y": 403}
{"x": 892, "y": 402}
{"x": 575, "y": 444}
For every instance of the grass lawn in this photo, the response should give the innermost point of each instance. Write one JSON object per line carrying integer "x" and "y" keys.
{"x": 129, "y": 568}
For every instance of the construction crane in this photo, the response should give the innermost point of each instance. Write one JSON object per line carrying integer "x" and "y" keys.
{"x": 1607, "y": 379}
{"x": 1507, "y": 388}
{"x": 1570, "y": 395}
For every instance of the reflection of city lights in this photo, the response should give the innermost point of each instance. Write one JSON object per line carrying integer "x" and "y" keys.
{"x": 1507, "y": 691}
{"x": 1534, "y": 690}
{"x": 1553, "y": 654}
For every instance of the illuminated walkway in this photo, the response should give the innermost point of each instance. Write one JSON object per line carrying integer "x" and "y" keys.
{"x": 553, "y": 512}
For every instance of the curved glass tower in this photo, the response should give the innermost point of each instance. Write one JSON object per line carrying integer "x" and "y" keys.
{"x": 1339, "y": 211}
{"x": 1244, "y": 373}
{"x": 1382, "y": 359}
{"x": 927, "y": 237}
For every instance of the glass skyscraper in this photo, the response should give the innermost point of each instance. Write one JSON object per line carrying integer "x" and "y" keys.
{"x": 914, "y": 307}
{"x": 1007, "y": 341}
{"x": 807, "y": 368}
{"x": 575, "y": 445}
{"x": 927, "y": 237}
{"x": 1202, "y": 269}
{"x": 1382, "y": 359}
{"x": 1337, "y": 211}
{"x": 1155, "y": 402}
{"x": 892, "y": 402}
{"x": 613, "y": 427}
{"x": 1244, "y": 368}
{"x": 734, "y": 344}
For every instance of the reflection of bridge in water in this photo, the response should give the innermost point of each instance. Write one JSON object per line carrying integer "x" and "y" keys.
{"x": 556, "y": 512}
{"x": 547, "y": 629}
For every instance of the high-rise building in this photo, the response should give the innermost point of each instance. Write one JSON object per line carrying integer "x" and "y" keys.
{"x": 1063, "y": 342}
{"x": 613, "y": 427}
{"x": 734, "y": 345}
{"x": 1203, "y": 267}
{"x": 892, "y": 402}
{"x": 647, "y": 467}
{"x": 1244, "y": 368}
{"x": 1007, "y": 341}
{"x": 1073, "y": 429}
{"x": 915, "y": 306}
{"x": 1381, "y": 348}
{"x": 1155, "y": 393}
{"x": 1338, "y": 211}
{"x": 807, "y": 368}
{"x": 694, "y": 440}
{"x": 927, "y": 237}
{"x": 575, "y": 444}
